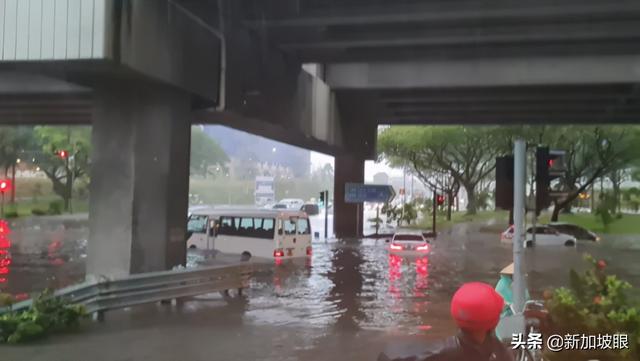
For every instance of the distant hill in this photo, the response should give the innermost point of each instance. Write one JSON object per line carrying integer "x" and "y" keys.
{"x": 238, "y": 144}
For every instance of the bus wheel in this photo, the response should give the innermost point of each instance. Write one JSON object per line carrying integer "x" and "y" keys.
{"x": 245, "y": 256}
{"x": 193, "y": 246}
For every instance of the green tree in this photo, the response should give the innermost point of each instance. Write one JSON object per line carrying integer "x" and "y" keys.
{"x": 591, "y": 152}
{"x": 63, "y": 172}
{"x": 323, "y": 177}
{"x": 206, "y": 153}
{"x": 14, "y": 141}
{"x": 465, "y": 154}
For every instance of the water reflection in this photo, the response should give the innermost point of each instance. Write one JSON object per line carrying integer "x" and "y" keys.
{"x": 5, "y": 255}
{"x": 345, "y": 286}
{"x": 347, "y": 281}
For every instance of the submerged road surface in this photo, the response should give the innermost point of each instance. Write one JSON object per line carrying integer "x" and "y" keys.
{"x": 349, "y": 301}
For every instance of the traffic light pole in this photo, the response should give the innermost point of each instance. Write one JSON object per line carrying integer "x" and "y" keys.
{"x": 519, "y": 179}
{"x": 435, "y": 208}
{"x": 326, "y": 214}
{"x": 377, "y": 219}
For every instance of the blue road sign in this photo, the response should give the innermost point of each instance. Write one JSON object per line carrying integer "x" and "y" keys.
{"x": 374, "y": 193}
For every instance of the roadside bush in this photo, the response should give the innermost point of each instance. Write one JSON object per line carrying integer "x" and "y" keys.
{"x": 595, "y": 304}
{"x": 55, "y": 207}
{"x": 11, "y": 214}
{"x": 47, "y": 314}
{"x": 38, "y": 212}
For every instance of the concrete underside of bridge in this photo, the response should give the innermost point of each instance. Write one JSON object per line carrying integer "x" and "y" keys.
{"x": 142, "y": 72}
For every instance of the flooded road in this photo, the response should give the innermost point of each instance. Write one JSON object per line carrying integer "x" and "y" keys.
{"x": 352, "y": 297}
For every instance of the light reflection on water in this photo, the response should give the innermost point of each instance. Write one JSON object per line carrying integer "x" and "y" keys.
{"x": 348, "y": 286}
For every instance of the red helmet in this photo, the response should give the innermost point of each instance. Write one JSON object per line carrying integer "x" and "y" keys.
{"x": 476, "y": 306}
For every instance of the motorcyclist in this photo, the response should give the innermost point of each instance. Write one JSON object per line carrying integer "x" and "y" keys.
{"x": 504, "y": 286}
{"x": 476, "y": 309}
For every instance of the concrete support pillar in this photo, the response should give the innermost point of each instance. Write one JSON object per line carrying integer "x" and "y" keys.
{"x": 139, "y": 180}
{"x": 347, "y": 217}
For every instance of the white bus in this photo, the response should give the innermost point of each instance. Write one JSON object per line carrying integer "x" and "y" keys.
{"x": 262, "y": 233}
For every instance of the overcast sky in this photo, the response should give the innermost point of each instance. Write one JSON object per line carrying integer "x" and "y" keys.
{"x": 370, "y": 167}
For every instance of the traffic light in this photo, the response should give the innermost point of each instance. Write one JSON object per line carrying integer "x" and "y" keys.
{"x": 440, "y": 199}
{"x": 63, "y": 154}
{"x": 5, "y": 185}
{"x": 550, "y": 164}
{"x": 322, "y": 200}
{"x": 504, "y": 182}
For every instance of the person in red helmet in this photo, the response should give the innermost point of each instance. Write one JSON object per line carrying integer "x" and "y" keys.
{"x": 476, "y": 309}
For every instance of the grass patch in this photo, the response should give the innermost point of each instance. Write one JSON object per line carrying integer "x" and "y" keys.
{"x": 461, "y": 217}
{"x": 24, "y": 208}
{"x": 628, "y": 224}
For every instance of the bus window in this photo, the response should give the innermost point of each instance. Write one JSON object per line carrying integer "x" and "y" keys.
{"x": 227, "y": 226}
{"x": 289, "y": 226}
{"x": 268, "y": 226}
{"x": 246, "y": 227}
{"x": 197, "y": 224}
{"x": 303, "y": 226}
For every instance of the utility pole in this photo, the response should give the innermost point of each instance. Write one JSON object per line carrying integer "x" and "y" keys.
{"x": 435, "y": 208}
{"x": 519, "y": 179}
{"x": 404, "y": 192}
{"x": 534, "y": 213}
{"x": 326, "y": 214}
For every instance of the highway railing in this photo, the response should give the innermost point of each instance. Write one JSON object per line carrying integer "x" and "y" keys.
{"x": 137, "y": 289}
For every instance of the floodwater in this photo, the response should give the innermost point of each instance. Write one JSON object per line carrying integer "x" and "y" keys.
{"x": 349, "y": 299}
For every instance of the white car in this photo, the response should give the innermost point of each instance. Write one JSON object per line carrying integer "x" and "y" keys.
{"x": 547, "y": 236}
{"x": 507, "y": 235}
{"x": 292, "y": 203}
{"x": 409, "y": 242}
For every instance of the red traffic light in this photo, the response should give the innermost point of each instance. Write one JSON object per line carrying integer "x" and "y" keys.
{"x": 440, "y": 200}
{"x": 550, "y": 162}
{"x": 62, "y": 154}
{"x": 5, "y": 185}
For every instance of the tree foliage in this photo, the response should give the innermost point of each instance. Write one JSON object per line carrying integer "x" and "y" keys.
{"x": 596, "y": 303}
{"x": 63, "y": 173}
{"x": 47, "y": 314}
{"x": 465, "y": 155}
{"x": 206, "y": 154}
{"x": 444, "y": 157}
{"x": 591, "y": 152}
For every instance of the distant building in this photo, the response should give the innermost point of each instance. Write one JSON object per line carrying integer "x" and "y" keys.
{"x": 245, "y": 147}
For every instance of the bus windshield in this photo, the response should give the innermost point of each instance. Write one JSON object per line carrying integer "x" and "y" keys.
{"x": 197, "y": 223}
{"x": 255, "y": 227}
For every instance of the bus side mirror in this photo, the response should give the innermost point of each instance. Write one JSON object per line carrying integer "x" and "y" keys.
{"x": 212, "y": 232}
{"x": 280, "y": 232}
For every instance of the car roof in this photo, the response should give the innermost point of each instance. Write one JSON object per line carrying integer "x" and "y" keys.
{"x": 408, "y": 233}
{"x": 253, "y": 212}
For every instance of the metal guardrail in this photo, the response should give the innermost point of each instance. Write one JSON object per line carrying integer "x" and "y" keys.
{"x": 100, "y": 296}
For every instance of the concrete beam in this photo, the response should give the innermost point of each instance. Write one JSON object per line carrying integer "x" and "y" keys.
{"x": 486, "y": 72}
{"x": 479, "y": 34}
{"x": 452, "y": 12}
{"x": 265, "y": 129}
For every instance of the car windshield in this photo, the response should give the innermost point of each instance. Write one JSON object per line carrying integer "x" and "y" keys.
{"x": 408, "y": 237}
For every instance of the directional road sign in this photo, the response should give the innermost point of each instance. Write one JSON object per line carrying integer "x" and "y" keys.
{"x": 374, "y": 193}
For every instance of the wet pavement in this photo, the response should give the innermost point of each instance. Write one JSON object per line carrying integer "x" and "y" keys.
{"x": 351, "y": 300}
